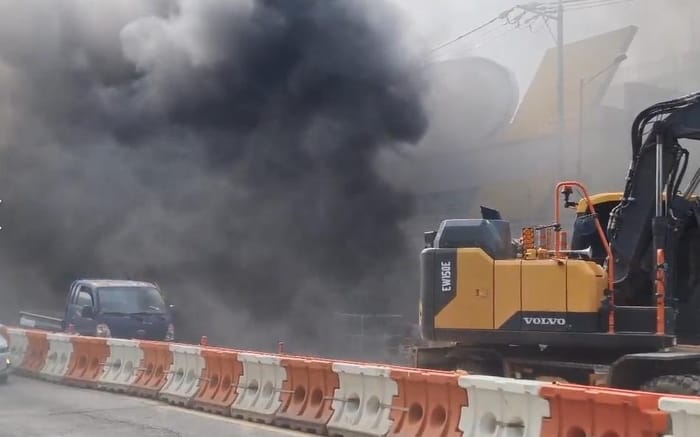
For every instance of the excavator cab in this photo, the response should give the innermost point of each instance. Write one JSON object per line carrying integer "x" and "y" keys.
{"x": 584, "y": 233}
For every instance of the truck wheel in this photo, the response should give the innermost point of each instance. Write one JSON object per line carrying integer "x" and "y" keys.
{"x": 674, "y": 384}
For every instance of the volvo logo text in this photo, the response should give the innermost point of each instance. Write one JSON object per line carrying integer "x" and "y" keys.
{"x": 549, "y": 321}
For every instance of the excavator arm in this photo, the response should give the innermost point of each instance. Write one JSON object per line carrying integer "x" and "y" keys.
{"x": 651, "y": 206}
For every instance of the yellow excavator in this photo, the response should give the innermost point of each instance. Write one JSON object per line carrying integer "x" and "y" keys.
{"x": 617, "y": 304}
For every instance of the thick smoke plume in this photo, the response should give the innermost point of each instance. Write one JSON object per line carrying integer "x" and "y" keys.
{"x": 222, "y": 148}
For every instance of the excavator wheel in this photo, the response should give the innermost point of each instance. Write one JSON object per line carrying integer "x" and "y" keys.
{"x": 674, "y": 384}
{"x": 470, "y": 368}
{"x": 486, "y": 368}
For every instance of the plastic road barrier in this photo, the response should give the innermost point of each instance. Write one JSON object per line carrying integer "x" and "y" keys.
{"x": 58, "y": 357}
{"x": 584, "y": 411}
{"x": 259, "y": 387}
{"x": 18, "y": 345}
{"x": 121, "y": 368}
{"x": 429, "y": 403}
{"x": 362, "y": 403}
{"x": 306, "y": 395}
{"x": 685, "y": 415}
{"x": 350, "y": 399}
{"x": 4, "y": 332}
{"x": 151, "y": 375}
{"x": 87, "y": 361}
{"x": 497, "y": 406}
{"x": 184, "y": 377}
{"x": 35, "y": 356}
{"x": 222, "y": 372}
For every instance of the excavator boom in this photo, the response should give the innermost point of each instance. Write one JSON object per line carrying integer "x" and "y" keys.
{"x": 656, "y": 171}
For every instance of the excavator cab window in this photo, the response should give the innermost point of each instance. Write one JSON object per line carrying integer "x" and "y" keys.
{"x": 585, "y": 233}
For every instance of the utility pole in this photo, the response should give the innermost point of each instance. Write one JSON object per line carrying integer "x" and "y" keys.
{"x": 547, "y": 13}
{"x": 560, "y": 88}
{"x": 582, "y": 84}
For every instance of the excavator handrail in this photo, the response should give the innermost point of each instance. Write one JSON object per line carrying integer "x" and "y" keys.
{"x": 601, "y": 234}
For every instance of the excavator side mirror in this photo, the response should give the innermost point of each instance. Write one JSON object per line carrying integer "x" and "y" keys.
{"x": 567, "y": 192}
{"x": 429, "y": 238}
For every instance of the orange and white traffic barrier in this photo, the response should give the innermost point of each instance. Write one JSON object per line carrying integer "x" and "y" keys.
{"x": 498, "y": 404}
{"x": 121, "y": 368}
{"x": 685, "y": 415}
{"x": 306, "y": 395}
{"x": 4, "y": 333}
{"x": 57, "y": 358}
{"x": 18, "y": 345}
{"x": 222, "y": 372}
{"x": 582, "y": 410}
{"x": 152, "y": 372}
{"x": 35, "y": 355}
{"x": 362, "y": 403}
{"x": 429, "y": 403}
{"x": 259, "y": 387}
{"x": 365, "y": 399}
{"x": 87, "y": 361}
{"x": 184, "y": 376}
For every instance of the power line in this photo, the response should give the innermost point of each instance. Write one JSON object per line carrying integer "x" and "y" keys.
{"x": 531, "y": 12}
{"x": 576, "y": 2}
{"x": 466, "y": 34}
{"x": 570, "y": 5}
{"x": 494, "y": 35}
{"x": 595, "y": 5}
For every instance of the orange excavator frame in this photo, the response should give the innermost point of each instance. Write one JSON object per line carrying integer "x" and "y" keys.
{"x": 601, "y": 234}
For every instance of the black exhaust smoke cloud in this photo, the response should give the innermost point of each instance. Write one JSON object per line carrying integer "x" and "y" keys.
{"x": 222, "y": 148}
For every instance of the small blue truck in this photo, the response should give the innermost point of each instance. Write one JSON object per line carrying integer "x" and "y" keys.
{"x": 110, "y": 308}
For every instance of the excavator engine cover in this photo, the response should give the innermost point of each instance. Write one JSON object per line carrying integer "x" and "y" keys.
{"x": 473, "y": 286}
{"x": 492, "y": 236}
{"x": 439, "y": 266}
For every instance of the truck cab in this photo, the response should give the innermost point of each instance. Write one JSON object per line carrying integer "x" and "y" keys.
{"x": 118, "y": 308}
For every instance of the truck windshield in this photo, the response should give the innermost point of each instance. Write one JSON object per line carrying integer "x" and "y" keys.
{"x": 130, "y": 300}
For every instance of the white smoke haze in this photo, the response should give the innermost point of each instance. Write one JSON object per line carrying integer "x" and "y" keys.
{"x": 664, "y": 53}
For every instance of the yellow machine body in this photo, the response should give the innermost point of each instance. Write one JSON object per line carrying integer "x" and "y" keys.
{"x": 520, "y": 294}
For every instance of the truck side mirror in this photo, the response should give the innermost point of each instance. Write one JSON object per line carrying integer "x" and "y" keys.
{"x": 87, "y": 312}
{"x": 429, "y": 238}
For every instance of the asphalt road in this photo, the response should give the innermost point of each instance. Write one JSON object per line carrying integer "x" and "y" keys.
{"x": 30, "y": 408}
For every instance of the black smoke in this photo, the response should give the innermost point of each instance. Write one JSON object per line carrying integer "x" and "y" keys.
{"x": 224, "y": 149}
